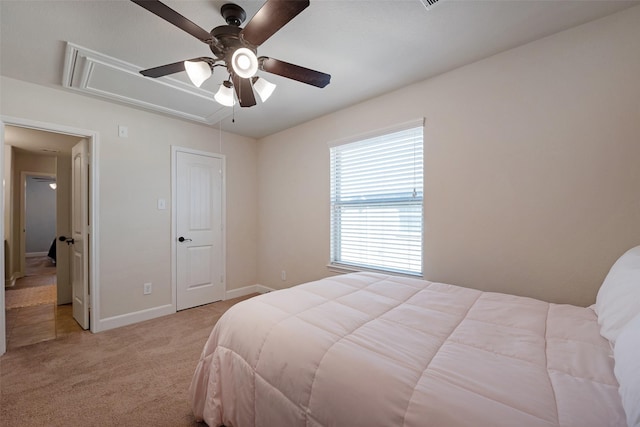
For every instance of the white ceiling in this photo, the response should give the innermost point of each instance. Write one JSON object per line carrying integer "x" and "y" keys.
{"x": 369, "y": 47}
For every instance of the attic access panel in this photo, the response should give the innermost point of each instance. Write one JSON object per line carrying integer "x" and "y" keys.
{"x": 93, "y": 73}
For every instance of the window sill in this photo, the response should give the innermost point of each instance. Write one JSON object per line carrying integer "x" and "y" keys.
{"x": 345, "y": 269}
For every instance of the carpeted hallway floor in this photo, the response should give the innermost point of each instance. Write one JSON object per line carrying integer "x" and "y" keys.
{"x": 137, "y": 375}
{"x": 31, "y": 312}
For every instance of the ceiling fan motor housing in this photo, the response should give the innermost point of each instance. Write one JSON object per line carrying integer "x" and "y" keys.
{"x": 233, "y": 14}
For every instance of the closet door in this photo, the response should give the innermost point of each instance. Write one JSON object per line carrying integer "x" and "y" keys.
{"x": 199, "y": 229}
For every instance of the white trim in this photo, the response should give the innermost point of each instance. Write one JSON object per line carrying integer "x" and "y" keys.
{"x": 135, "y": 317}
{"x": 346, "y": 269}
{"x": 80, "y": 63}
{"x": 94, "y": 202}
{"x": 247, "y": 290}
{"x": 174, "y": 227}
{"x": 11, "y": 281}
{"x": 378, "y": 132}
{"x": 261, "y": 289}
{"x": 35, "y": 254}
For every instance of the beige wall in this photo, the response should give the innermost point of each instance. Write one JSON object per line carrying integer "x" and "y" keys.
{"x": 135, "y": 240}
{"x": 532, "y": 182}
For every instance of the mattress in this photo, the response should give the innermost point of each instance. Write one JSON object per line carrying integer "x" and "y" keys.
{"x": 367, "y": 349}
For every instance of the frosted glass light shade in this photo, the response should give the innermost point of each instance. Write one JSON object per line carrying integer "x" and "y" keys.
{"x": 264, "y": 88}
{"x": 244, "y": 63}
{"x": 198, "y": 71}
{"x": 53, "y": 185}
{"x": 225, "y": 95}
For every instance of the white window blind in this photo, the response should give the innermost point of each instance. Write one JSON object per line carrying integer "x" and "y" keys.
{"x": 376, "y": 201}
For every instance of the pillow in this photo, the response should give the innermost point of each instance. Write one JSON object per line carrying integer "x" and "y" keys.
{"x": 618, "y": 299}
{"x": 627, "y": 370}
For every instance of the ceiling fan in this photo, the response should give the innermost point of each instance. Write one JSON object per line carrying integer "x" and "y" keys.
{"x": 235, "y": 49}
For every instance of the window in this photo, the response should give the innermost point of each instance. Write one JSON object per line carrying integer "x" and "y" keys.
{"x": 376, "y": 201}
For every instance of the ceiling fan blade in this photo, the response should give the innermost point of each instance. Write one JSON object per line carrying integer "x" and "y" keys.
{"x": 295, "y": 72}
{"x": 272, "y": 16}
{"x": 244, "y": 91}
{"x": 163, "y": 70}
{"x": 176, "y": 67}
{"x": 165, "y": 12}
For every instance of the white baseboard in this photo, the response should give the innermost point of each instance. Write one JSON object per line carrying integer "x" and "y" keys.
{"x": 164, "y": 310}
{"x": 10, "y": 282}
{"x": 135, "y": 317}
{"x": 35, "y": 254}
{"x": 247, "y": 290}
{"x": 264, "y": 289}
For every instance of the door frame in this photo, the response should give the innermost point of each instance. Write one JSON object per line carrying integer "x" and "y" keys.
{"x": 94, "y": 141}
{"x": 174, "y": 222}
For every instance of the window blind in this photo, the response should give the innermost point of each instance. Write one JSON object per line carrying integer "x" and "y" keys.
{"x": 377, "y": 201}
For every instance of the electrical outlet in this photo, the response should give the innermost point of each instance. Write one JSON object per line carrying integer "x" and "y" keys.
{"x": 283, "y": 274}
{"x": 147, "y": 288}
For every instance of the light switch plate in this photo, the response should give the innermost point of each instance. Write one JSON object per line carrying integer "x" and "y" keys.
{"x": 162, "y": 204}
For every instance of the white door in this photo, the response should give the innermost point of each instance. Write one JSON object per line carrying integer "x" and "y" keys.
{"x": 80, "y": 232}
{"x": 199, "y": 239}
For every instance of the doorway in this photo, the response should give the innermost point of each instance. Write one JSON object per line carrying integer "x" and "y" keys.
{"x": 198, "y": 223}
{"x": 9, "y": 227}
{"x": 32, "y": 312}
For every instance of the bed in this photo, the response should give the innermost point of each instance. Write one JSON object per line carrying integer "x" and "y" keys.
{"x": 367, "y": 349}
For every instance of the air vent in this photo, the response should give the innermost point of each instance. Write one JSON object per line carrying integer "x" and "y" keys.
{"x": 96, "y": 74}
{"x": 428, "y": 4}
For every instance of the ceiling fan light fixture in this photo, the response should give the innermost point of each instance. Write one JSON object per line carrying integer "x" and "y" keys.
{"x": 264, "y": 87}
{"x": 198, "y": 71}
{"x": 244, "y": 63}
{"x": 225, "y": 94}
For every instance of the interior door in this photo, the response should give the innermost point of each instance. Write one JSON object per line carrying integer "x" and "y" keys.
{"x": 80, "y": 232}
{"x": 199, "y": 240}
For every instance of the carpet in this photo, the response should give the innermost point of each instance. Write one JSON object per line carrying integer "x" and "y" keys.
{"x": 137, "y": 375}
{"x": 26, "y": 297}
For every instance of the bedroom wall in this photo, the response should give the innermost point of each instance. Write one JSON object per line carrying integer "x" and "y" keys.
{"x": 531, "y": 168}
{"x": 135, "y": 239}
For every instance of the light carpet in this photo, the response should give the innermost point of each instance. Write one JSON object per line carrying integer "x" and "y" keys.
{"x": 136, "y": 375}
{"x": 26, "y": 297}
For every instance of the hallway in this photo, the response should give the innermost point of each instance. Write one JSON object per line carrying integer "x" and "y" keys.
{"x": 32, "y": 315}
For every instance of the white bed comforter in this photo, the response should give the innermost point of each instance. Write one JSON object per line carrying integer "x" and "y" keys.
{"x": 367, "y": 349}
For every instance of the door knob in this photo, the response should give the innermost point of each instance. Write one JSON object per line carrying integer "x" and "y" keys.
{"x": 182, "y": 239}
{"x": 67, "y": 240}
